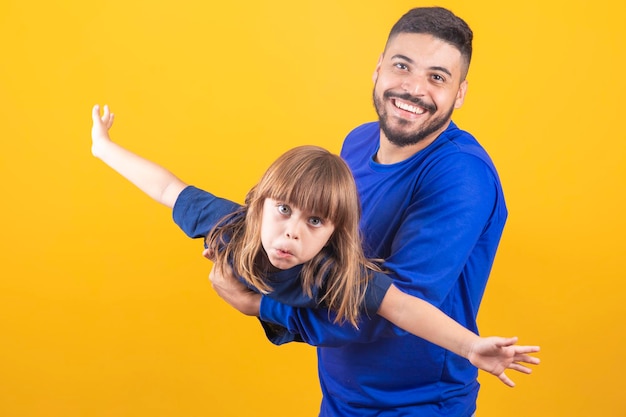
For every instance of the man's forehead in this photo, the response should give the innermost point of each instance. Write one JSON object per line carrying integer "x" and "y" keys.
{"x": 422, "y": 43}
{"x": 422, "y": 48}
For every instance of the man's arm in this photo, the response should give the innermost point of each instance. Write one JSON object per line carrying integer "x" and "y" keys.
{"x": 430, "y": 254}
{"x": 232, "y": 290}
{"x": 313, "y": 326}
{"x": 151, "y": 178}
{"x": 434, "y": 238}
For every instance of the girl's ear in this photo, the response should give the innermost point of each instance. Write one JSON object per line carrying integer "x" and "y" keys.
{"x": 209, "y": 254}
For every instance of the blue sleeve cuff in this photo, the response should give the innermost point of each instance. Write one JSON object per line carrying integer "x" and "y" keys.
{"x": 272, "y": 311}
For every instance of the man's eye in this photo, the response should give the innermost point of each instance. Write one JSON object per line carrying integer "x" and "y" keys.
{"x": 401, "y": 66}
{"x": 283, "y": 209}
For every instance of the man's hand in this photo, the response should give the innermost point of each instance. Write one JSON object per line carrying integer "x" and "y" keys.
{"x": 233, "y": 291}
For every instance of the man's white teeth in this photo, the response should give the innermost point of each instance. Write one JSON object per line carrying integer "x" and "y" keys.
{"x": 408, "y": 107}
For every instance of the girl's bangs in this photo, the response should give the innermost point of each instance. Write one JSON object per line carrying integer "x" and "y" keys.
{"x": 313, "y": 193}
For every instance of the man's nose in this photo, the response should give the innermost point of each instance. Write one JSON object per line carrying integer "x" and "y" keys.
{"x": 414, "y": 85}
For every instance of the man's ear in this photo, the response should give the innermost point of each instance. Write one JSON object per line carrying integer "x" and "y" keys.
{"x": 460, "y": 95}
{"x": 377, "y": 69}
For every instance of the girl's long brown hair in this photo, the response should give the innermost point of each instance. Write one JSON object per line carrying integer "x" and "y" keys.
{"x": 314, "y": 180}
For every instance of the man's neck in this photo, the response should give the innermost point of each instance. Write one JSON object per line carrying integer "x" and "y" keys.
{"x": 390, "y": 153}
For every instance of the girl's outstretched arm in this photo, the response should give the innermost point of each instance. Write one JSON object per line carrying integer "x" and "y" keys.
{"x": 154, "y": 180}
{"x": 491, "y": 354}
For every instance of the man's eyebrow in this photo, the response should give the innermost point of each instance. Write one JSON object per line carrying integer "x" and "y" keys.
{"x": 405, "y": 58}
{"x": 410, "y": 61}
{"x": 442, "y": 69}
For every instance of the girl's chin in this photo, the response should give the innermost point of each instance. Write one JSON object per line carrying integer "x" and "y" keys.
{"x": 280, "y": 265}
{"x": 283, "y": 264}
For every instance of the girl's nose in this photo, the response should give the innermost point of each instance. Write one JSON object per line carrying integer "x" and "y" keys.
{"x": 291, "y": 231}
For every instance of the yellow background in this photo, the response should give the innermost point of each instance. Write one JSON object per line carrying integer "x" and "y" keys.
{"x": 105, "y": 308}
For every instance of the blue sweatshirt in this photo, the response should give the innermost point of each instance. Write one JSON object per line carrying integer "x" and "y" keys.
{"x": 436, "y": 218}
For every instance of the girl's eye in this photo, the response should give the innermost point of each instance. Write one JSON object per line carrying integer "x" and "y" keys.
{"x": 316, "y": 222}
{"x": 284, "y": 209}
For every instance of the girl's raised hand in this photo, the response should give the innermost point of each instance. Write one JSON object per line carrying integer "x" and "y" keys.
{"x": 497, "y": 354}
{"x": 100, "y": 127}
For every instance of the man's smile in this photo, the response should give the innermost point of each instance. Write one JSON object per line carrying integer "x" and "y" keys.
{"x": 408, "y": 107}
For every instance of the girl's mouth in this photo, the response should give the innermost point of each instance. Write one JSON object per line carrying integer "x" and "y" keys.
{"x": 283, "y": 253}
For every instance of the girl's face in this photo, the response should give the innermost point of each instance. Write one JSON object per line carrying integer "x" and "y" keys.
{"x": 290, "y": 236}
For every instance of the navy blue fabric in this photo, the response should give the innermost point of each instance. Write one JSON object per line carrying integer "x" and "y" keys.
{"x": 196, "y": 212}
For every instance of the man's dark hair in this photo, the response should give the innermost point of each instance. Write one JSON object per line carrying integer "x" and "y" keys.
{"x": 440, "y": 23}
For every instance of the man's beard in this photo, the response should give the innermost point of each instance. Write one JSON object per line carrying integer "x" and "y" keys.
{"x": 401, "y": 138}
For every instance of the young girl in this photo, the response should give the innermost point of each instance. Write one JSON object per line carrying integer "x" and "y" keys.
{"x": 297, "y": 240}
